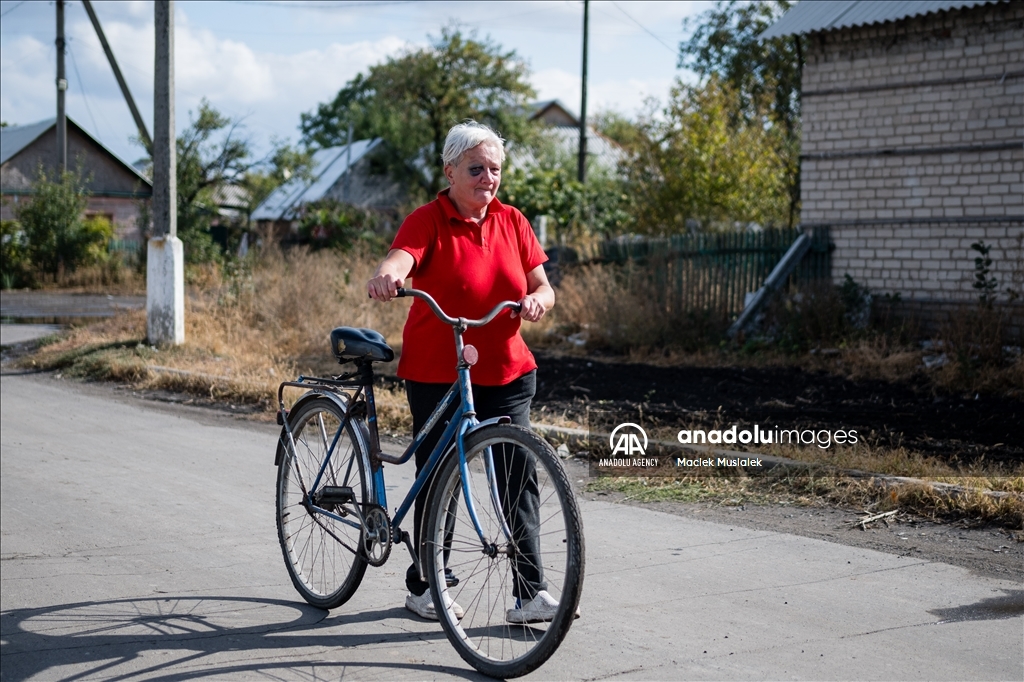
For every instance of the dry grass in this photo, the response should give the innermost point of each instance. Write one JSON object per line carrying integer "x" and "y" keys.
{"x": 603, "y": 307}
{"x": 868, "y": 494}
{"x": 111, "y": 277}
{"x": 247, "y": 329}
{"x": 833, "y": 479}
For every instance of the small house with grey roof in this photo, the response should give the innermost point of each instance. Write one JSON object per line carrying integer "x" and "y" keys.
{"x": 348, "y": 173}
{"x": 115, "y": 187}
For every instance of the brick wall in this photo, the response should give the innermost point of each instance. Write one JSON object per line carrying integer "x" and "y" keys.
{"x": 913, "y": 149}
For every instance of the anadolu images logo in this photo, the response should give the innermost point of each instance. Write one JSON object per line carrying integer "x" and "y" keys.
{"x": 628, "y": 442}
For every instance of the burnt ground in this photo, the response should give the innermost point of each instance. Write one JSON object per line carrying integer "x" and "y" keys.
{"x": 953, "y": 428}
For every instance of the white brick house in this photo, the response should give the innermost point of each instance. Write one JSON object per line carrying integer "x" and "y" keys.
{"x": 913, "y": 142}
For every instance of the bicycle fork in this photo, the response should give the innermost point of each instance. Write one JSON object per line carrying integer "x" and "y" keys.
{"x": 489, "y": 548}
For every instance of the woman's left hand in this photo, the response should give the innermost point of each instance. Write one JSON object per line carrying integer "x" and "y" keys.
{"x": 540, "y": 296}
{"x": 532, "y": 308}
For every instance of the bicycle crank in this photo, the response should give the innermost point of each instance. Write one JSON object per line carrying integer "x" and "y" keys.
{"x": 377, "y": 535}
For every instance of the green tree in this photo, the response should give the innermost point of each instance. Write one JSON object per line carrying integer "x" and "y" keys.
{"x": 545, "y": 183}
{"x": 762, "y": 76}
{"x": 695, "y": 161}
{"x": 282, "y": 164}
{"x": 412, "y": 100}
{"x": 56, "y": 238}
{"x": 624, "y": 132}
{"x": 212, "y": 154}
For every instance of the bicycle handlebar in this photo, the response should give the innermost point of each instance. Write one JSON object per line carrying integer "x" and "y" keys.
{"x": 456, "y": 321}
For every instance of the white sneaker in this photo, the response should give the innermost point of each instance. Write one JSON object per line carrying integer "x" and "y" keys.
{"x": 540, "y": 609}
{"x": 423, "y": 606}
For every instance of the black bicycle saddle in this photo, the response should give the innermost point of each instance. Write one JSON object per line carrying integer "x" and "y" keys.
{"x": 349, "y": 343}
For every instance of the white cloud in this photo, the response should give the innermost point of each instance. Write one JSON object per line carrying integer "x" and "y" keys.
{"x": 625, "y": 96}
{"x": 269, "y": 64}
{"x": 267, "y": 89}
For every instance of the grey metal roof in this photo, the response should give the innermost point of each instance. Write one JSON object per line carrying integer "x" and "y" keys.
{"x": 810, "y": 16}
{"x": 328, "y": 166}
{"x": 13, "y": 139}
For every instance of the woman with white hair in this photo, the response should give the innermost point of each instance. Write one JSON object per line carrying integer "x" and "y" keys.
{"x": 470, "y": 252}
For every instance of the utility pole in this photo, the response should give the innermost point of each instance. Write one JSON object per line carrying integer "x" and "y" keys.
{"x": 139, "y": 123}
{"x": 582, "y": 171}
{"x": 348, "y": 163}
{"x": 165, "y": 264}
{"x": 62, "y": 86}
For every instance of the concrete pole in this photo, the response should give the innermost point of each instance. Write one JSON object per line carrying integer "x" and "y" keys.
{"x": 62, "y": 86}
{"x": 165, "y": 265}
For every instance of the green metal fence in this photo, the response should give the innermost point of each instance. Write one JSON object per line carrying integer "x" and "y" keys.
{"x": 125, "y": 247}
{"x": 713, "y": 272}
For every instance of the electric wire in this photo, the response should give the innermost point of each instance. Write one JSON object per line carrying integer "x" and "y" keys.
{"x": 11, "y": 9}
{"x": 647, "y": 30}
{"x": 321, "y": 6}
{"x": 81, "y": 86}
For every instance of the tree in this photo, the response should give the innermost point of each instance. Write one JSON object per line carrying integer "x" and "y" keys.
{"x": 546, "y": 183}
{"x": 211, "y": 155}
{"x": 56, "y": 238}
{"x": 762, "y": 76}
{"x": 696, "y": 161}
{"x": 412, "y": 100}
{"x": 282, "y": 164}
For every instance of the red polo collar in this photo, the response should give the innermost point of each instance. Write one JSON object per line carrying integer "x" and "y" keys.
{"x": 450, "y": 213}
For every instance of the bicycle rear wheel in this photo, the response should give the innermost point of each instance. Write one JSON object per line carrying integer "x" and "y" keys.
{"x": 545, "y": 551}
{"x": 322, "y": 554}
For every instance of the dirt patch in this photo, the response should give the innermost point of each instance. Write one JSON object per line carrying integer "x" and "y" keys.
{"x": 955, "y": 429}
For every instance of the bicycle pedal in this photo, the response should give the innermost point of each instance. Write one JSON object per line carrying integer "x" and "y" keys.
{"x": 330, "y": 494}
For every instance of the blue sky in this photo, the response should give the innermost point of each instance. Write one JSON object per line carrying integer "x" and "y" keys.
{"x": 267, "y": 62}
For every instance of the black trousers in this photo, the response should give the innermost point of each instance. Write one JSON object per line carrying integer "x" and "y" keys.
{"x": 511, "y": 400}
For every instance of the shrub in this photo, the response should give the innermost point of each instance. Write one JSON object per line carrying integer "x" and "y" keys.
{"x": 57, "y": 239}
{"x": 15, "y": 268}
{"x": 332, "y": 223}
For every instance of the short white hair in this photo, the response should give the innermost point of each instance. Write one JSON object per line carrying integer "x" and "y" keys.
{"x": 465, "y": 136}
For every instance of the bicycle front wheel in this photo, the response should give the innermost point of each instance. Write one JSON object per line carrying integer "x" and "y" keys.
{"x": 322, "y": 554}
{"x": 533, "y": 542}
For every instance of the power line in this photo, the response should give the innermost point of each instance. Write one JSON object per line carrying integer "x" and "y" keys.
{"x": 320, "y": 6}
{"x": 81, "y": 86}
{"x": 647, "y": 30}
{"x": 13, "y": 8}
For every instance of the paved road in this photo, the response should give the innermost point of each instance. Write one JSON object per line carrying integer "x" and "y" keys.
{"x": 24, "y": 304}
{"x": 138, "y": 541}
{"x": 41, "y": 313}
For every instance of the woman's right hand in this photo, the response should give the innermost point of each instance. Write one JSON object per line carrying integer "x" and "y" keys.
{"x": 384, "y": 287}
{"x": 390, "y": 275}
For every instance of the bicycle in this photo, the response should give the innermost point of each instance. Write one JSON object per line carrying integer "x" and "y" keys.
{"x": 333, "y": 521}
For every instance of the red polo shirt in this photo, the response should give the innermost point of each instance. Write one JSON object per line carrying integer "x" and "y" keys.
{"x": 468, "y": 269}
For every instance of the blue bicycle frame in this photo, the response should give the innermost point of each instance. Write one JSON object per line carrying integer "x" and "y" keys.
{"x": 462, "y": 423}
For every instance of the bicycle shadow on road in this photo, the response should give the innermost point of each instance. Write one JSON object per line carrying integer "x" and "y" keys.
{"x": 111, "y": 638}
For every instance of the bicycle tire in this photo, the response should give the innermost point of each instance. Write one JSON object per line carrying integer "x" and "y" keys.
{"x": 324, "y": 572}
{"x": 483, "y": 637}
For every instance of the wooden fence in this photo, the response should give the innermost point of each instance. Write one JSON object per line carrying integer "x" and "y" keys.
{"x": 713, "y": 272}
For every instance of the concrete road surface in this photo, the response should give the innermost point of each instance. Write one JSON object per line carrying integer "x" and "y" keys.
{"x": 138, "y": 541}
